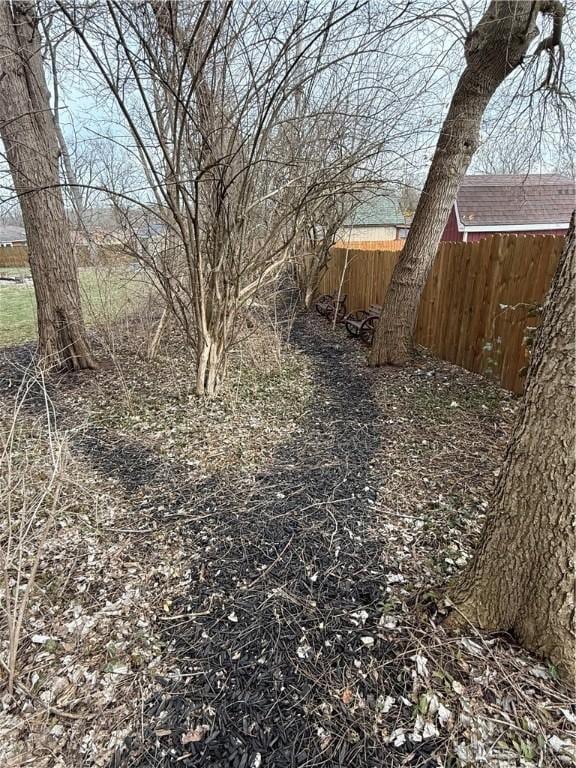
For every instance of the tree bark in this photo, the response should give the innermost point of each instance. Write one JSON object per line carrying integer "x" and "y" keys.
{"x": 30, "y": 139}
{"x": 495, "y": 48}
{"x": 521, "y": 579}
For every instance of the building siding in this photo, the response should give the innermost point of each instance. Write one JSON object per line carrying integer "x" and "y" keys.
{"x": 451, "y": 233}
{"x": 13, "y": 244}
{"x": 366, "y": 234}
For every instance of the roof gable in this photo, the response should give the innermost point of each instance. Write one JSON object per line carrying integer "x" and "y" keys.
{"x": 518, "y": 200}
{"x": 378, "y": 211}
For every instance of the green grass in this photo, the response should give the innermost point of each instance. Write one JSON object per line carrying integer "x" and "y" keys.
{"x": 107, "y": 294}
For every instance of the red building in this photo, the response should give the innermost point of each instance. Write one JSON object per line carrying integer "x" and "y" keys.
{"x": 534, "y": 204}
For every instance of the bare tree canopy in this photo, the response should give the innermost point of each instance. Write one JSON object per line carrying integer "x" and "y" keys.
{"x": 247, "y": 132}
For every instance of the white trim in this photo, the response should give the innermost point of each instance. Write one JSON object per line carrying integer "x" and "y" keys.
{"x": 513, "y": 227}
{"x": 461, "y": 227}
{"x": 465, "y": 236}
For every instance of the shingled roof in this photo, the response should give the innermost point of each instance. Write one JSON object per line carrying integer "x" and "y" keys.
{"x": 521, "y": 200}
{"x": 378, "y": 211}
{"x": 12, "y": 234}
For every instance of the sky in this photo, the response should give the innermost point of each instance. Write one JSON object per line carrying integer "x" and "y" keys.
{"x": 522, "y": 131}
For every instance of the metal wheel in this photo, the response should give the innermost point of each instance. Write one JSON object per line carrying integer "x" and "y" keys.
{"x": 341, "y": 311}
{"x": 324, "y": 305}
{"x": 354, "y": 317}
{"x": 366, "y": 331}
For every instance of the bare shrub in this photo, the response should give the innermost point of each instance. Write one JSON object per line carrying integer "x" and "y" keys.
{"x": 30, "y": 511}
{"x": 243, "y": 130}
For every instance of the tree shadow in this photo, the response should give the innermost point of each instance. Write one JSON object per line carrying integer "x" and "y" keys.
{"x": 279, "y": 627}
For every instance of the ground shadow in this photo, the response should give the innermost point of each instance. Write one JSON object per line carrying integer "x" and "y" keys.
{"x": 287, "y": 586}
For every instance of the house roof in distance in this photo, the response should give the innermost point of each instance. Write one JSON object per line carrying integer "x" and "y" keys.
{"x": 378, "y": 211}
{"x": 523, "y": 199}
{"x": 10, "y": 233}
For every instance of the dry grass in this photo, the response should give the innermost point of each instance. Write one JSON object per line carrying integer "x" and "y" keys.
{"x": 77, "y": 646}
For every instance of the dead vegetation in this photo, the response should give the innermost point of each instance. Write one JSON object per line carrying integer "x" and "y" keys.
{"x": 254, "y": 580}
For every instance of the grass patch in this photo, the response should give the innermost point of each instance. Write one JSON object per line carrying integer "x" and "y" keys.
{"x": 107, "y": 293}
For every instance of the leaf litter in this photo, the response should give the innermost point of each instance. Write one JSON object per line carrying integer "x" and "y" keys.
{"x": 257, "y": 580}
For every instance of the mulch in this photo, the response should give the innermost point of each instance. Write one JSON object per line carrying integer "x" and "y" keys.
{"x": 286, "y": 590}
{"x": 286, "y": 642}
{"x": 283, "y": 657}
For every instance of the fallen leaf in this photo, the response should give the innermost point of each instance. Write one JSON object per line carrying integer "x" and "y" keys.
{"x": 430, "y": 731}
{"x": 444, "y": 714}
{"x": 421, "y": 664}
{"x": 304, "y": 651}
{"x": 41, "y": 639}
{"x": 347, "y": 696}
{"x": 398, "y": 737}
{"x": 196, "y": 734}
{"x": 568, "y": 715}
{"x": 557, "y": 744}
{"x": 387, "y": 704}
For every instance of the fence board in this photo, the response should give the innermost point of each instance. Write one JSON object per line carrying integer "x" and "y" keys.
{"x": 17, "y": 255}
{"x": 371, "y": 245}
{"x": 476, "y": 304}
{"x": 474, "y": 341}
{"x": 14, "y": 256}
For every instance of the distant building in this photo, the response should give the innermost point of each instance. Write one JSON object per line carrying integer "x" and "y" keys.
{"x": 377, "y": 219}
{"x": 150, "y": 230}
{"x": 534, "y": 204}
{"x": 115, "y": 227}
{"x": 11, "y": 235}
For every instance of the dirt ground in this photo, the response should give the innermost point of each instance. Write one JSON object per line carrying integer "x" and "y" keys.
{"x": 258, "y": 580}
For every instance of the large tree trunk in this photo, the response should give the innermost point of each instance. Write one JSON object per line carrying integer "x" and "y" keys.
{"x": 521, "y": 579}
{"x": 32, "y": 150}
{"x": 493, "y": 50}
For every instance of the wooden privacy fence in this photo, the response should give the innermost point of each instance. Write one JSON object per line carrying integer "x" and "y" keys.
{"x": 17, "y": 255}
{"x": 14, "y": 256}
{"x": 478, "y": 303}
{"x": 371, "y": 245}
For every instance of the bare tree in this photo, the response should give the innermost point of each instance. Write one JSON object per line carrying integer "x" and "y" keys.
{"x": 515, "y": 153}
{"x": 30, "y": 139}
{"x": 11, "y": 215}
{"x": 521, "y": 579}
{"x": 73, "y": 186}
{"x": 496, "y": 47}
{"x": 318, "y": 228}
{"x": 230, "y": 171}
